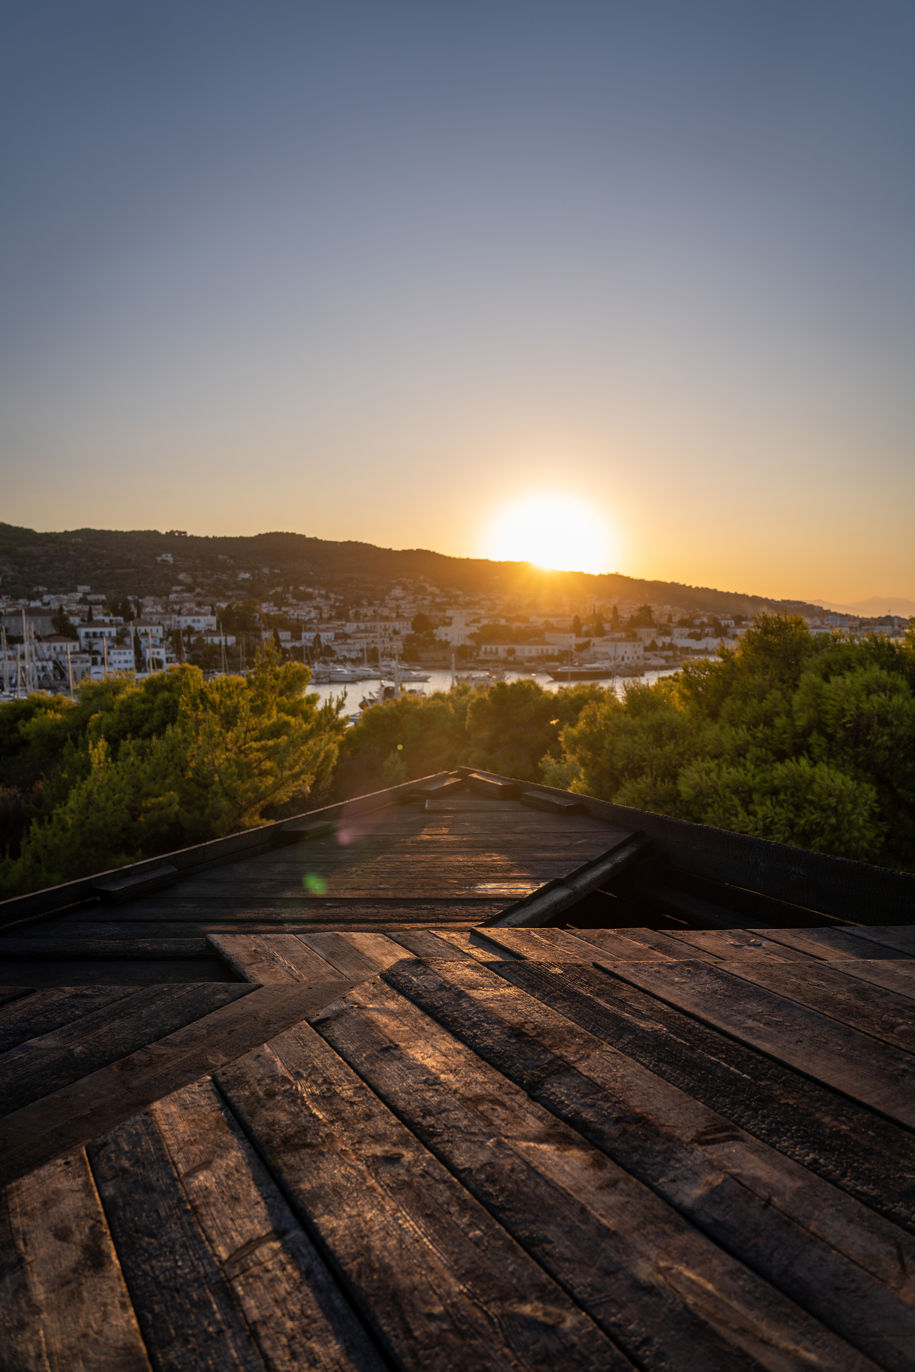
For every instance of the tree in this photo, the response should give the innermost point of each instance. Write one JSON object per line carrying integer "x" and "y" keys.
{"x": 511, "y": 727}
{"x": 62, "y": 624}
{"x": 801, "y": 739}
{"x": 140, "y": 769}
{"x": 643, "y": 618}
{"x": 412, "y": 736}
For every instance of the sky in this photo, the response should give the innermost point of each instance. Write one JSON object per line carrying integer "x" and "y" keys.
{"x": 394, "y": 271}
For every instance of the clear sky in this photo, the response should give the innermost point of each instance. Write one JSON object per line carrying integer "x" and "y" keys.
{"x": 379, "y": 269}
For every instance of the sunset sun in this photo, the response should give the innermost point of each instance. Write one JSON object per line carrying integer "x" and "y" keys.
{"x": 561, "y": 532}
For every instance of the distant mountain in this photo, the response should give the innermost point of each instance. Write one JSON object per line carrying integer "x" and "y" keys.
{"x": 875, "y": 606}
{"x": 147, "y": 562}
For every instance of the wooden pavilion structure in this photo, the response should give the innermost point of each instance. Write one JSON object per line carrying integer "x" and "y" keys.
{"x": 465, "y": 1074}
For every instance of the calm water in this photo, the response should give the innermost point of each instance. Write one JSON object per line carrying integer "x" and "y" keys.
{"x": 354, "y": 691}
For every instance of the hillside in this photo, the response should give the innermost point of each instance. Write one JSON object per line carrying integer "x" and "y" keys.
{"x": 128, "y": 563}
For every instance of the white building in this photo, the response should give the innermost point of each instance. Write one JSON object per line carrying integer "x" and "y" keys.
{"x": 97, "y": 631}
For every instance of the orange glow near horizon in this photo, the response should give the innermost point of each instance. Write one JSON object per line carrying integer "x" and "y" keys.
{"x": 552, "y": 530}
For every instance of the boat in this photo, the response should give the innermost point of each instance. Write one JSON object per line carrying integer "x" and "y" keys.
{"x": 391, "y": 690}
{"x": 584, "y": 671}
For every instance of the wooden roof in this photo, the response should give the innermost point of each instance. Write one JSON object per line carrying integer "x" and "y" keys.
{"x": 378, "y": 1131}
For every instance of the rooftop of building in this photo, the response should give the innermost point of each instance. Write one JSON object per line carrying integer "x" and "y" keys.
{"x": 463, "y": 1074}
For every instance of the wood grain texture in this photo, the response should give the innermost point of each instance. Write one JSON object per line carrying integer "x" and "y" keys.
{"x": 277, "y": 958}
{"x": 830, "y": 944}
{"x": 551, "y": 945}
{"x": 63, "y": 1301}
{"x": 50, "y": 1008}
{"x": 40, "y": 1065}
{"x": 94, "y": 1103}
{"x": 424, "y": 943}
{"x": 898, "y": 976}
{"x": 185, "y": 1312}
{"x": 626, "y": 944}
{"x": 652, "y": 939}
{"x": 861, "y": 1154}
{"x": 293, "y": 1307}
{"x": 730, "y": 944}
{"x": 731, "y": 1187}
{"x": 441, "y": 1282}
{"x": 876, "y": 1074}
{"x": 624, "y": 1255}
{"x": 828, "y": 989}
{"x": 101, "y": 949}
{"x": 354, "y": 955}
{"x": 897, "y": 936}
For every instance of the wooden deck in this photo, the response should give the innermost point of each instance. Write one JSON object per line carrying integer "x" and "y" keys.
{"x": 307, "y": 1100}
{"x": 457, "y": 859}
{"x": 499, "y": 1148}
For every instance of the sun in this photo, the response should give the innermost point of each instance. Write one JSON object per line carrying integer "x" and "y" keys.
{"x": 554, "y": 530}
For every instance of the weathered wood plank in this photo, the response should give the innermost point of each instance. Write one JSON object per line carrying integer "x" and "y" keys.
{"x": 608, "y": 1239}
{"x": 200, "y": 918}
{"x": 87, "y": 1107}
{"x": 874, "y": 1073}
{"x": 862, "y": 1154}
{"x": 118, "y": 886}
{"x": 473, "y": 943}
{"x": 829, "y": 944}
{"x": 433, "y": 790}
{"x": 36, "y": 945}
{"x": 898, "y": 936}
{"x": 441, "y": 1283}
{"x": 695, "y": 911}
{"x": 186, "y": 1315}
{"x": 296, "y": 1312}
{"x": 898, "y": 976}
{"x": 43, "y": 1064}
{"x": 375, "y": 946}
{"x": 424, "y": 943}
{"x": 492, "y": 787}
{"x": 553, "y": 804}
{"x": 63, "y": 1302}
{"x": 758, "y": 1206}
{"x": 8, "y": 993}
{"x": 617, "y": 943}
{"x": 608, "y": 940}
{"x": 483, "y": 943}
{"x": 48, "y": 1009}
{"x": 351, "y": 958}
{"x": 731, "y": 944}
{"x": 552, "y": 945}
{"x": 827, "y": 989}
{"x": 272, "y": 958}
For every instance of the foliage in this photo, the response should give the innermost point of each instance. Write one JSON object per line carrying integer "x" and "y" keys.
{"x": 793, "y": 737}
{"x": 508, "y": 727}
{"x": 133, "y": 769}
{"x": 412, "y": 736}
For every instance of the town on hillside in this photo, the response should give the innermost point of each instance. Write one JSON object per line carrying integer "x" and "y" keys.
{"x": 52, "y": 641}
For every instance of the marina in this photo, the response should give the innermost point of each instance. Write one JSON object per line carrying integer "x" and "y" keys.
{"x": 440, "y": 679}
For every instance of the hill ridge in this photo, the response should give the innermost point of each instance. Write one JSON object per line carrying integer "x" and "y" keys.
{"x": 127, "y": 562}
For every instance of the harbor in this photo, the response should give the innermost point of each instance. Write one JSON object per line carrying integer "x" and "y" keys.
{"x": 364, "y": 685}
